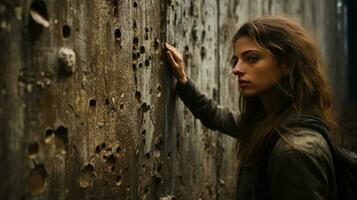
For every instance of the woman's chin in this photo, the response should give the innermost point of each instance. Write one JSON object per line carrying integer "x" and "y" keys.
{"x": 248, "y": 93}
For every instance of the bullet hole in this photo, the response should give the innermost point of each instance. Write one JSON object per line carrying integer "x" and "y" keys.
{"x": 136, "y": 41}
{"x": 140, "y": 65}
{"x": 118, "y": 180}
{"x": 142, "y": 49}
{"x": 146, "y": 189}
{"x": 158, "y": 142}
{"x": 37, "y": 179}
{"x": 38, "y": 12}
{"x": 97, "y": 149}
{"x": 187, "y": 48}
{"x": 147, "y": 63}
{"x": 118, "y": 151}
{"x": 145, "y": 107}
{"x": 184, "y": 33}
{"x": 192, "y": 9}
{"x": 121, "y": 106}
{"x": 175, "y": 18}
{"x": 138, "y": 96}
{"x": 100, "y": 147}
{"x": 110, "y": 162}
{"x": 107, "y": 102}
{"x": 169, "y": 155}
{"x": 60, "y": 135}
{"x": 147, "y": 155}
{"x": 134, "y": 67}
{"x": 203, "y": 36}
{"x": 87, "y": 176}
{"x": 66, "y": 31}
{"x": 67, "y": 58}
{"x": 49, "y": 135}
{"x": 135, "y": 56}
{"x": 134, "y": 24}
{"x": 38, "y": 18}
{"x": 103, "y": 145}
{"x": 158, "y": 91}
{"x": 138, "y": 55}
{"x": 117, "y": 35}
{"x": 92, "y": 103}
{"x": 135, "y": 4}
{"x": 157, "y": 44}
{"x": 203, "y": 52}
{"x": 61, "y": 138}
{"x": 146, "y": 36}
{"x": 32, "y": 149}
{"x": 195, "y": 33}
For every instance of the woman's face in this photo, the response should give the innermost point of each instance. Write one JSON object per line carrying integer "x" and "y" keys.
{"x": 254, "y": 66}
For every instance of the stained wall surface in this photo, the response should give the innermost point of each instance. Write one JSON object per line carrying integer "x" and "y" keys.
{"x": 87, "y": 104}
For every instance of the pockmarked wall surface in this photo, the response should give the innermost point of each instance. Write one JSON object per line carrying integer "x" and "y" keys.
{"x": 87, "y": 102}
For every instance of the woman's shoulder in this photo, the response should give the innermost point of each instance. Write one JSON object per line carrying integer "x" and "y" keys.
{"x": 301, "y": 165}
{"x": 302, "y": 152}
{"x": 302, "y": 141}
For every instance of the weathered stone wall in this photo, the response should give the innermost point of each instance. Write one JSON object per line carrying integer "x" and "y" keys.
{"x": 100, "y": 119}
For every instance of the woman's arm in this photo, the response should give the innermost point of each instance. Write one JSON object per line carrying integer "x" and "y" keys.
{"x": 211, "y": 115}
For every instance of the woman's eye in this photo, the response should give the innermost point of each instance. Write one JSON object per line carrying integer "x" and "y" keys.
{"x": 252, "y": 59}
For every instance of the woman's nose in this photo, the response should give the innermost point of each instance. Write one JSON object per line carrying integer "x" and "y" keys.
{"x": 237, "y": 69}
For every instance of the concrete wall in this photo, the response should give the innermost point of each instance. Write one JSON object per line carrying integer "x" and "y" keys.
{"x": 110, "y": 126}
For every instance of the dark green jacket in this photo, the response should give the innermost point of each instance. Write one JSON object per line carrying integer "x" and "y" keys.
{"x": 300, "y": 166}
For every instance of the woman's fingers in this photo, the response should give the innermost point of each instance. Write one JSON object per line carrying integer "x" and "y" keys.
{"x": 176, "y": 64}
{"x": 171, "y": 59}
{"x": 177, "y": 56}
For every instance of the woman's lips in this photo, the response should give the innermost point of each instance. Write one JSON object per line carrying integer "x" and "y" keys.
{"x": 244, "y": 83}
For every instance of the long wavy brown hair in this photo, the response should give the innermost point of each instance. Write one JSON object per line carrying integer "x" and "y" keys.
{"x": 305, "y": 84}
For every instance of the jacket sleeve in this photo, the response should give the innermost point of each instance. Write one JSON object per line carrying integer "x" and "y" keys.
{"x": 211, "y": 115}
{"x": 296, "y": 174}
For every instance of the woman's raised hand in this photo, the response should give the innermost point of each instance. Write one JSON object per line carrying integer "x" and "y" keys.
{"x": 176, "y": 63}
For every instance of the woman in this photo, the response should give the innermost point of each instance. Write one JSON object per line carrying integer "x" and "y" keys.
{"x": 281, "y": 76}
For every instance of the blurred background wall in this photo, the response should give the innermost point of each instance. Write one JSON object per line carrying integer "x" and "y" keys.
{"x": 87, "y": 103}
